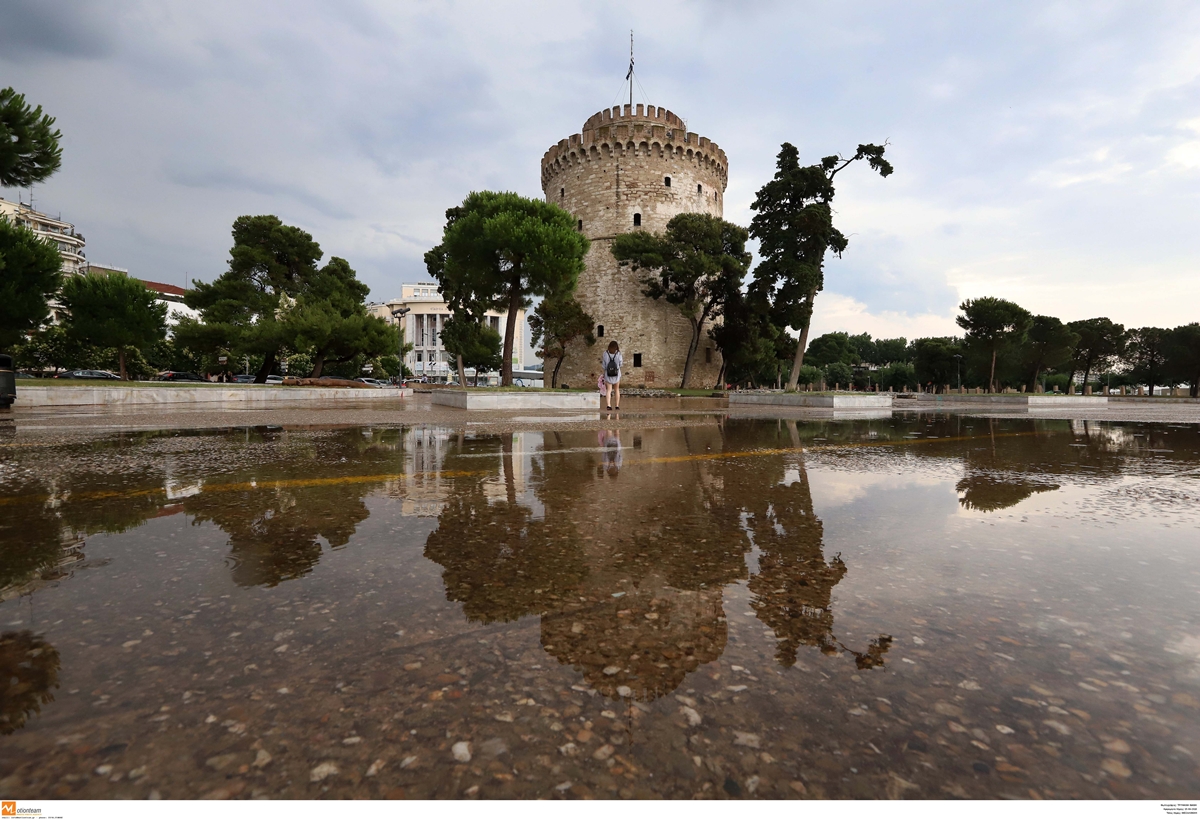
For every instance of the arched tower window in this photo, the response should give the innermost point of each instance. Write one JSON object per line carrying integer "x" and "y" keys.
{"x": 599, "y": 331}
{"x": 699, "y": 189}
{"x": 580, "y": 224}
{"x": 562, "y": 191}
{"x": 637, "y": 220}
{"x": 666, "y": 181}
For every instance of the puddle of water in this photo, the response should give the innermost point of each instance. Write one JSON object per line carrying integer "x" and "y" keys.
{"x": 751, "y": 608}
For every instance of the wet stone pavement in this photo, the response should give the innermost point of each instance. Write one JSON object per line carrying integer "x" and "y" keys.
{"x": 915, "y": 607}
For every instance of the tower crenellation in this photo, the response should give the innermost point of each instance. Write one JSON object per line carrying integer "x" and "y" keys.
{"x": 634, "y": 167}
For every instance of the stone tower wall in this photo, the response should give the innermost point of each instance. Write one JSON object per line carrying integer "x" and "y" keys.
{"x": 614, "y": 169}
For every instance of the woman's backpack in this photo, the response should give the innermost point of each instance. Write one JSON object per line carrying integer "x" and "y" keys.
{"x": 612, "y": 370}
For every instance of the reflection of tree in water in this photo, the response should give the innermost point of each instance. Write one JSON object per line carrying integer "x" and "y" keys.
{"x": 28, "y": 670}
{"x": 989, "y": 493}
{"x": 314, "y": 493}
{"x": 793, "y": 588}
{"x": 500, "y": 561}
{"x": 275, "y": 534}
{"x": 31, "y": 537}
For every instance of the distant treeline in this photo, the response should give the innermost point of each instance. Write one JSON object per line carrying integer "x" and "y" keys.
{"x": 1003, "y": 346}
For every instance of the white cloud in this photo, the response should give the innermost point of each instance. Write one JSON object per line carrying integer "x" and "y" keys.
{"x": 835, "y": 313}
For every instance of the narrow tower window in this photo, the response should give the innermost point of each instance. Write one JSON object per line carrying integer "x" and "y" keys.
{"x": 708, "y": 355}
{"x": 562, "y": 191}
{"x": 637, "y": 220}
{"x": 637, "y": 359}
{"x": 699, "y": 189}
{"x": 667, "y": 181}
{"x": 599, "y": 331}
{"x": 581, "y": 224}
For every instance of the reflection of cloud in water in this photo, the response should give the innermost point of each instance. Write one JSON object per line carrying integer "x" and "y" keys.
{"x": 28, "y": 670}
{"x": 838, "y": 488}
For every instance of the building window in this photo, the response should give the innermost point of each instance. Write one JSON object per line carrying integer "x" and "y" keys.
{"x": 666, "y": 181}
{"x": 599, "y": 331}
{"x": 495, "y": 322}
{"x": 708, "y": 355}
{"x": 581, "y": 225}
{"x": 562, "y": 191}
{"x": 637, "y": 359}
{"x": 637, "y": 220}
{"x": 699, "y": 189}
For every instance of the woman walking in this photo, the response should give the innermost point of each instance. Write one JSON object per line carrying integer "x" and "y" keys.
{"x": 610, "y": 365}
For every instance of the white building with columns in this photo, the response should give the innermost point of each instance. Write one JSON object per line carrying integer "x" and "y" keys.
{"x": 422, "y": 324}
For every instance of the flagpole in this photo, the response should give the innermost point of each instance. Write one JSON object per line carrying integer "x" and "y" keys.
{"x": 630, "y": 77}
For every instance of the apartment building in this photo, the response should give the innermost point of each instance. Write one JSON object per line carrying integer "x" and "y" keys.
{"x": 422, "y": 313}
{"x": 56, "y": 231}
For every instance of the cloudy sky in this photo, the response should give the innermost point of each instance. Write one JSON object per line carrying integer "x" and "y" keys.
{"x": 1045, "y": 152}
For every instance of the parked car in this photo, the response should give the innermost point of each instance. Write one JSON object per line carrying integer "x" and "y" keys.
{"x": 243, "y": 379}
{"x": 374, "y": 382}
{"x": 101, "y": 375}
{"x": 274, "y": 379}
{"x": 175, "y": 375}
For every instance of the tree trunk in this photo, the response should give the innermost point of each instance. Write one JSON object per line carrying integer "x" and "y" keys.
{"x": 798, "y": 360}
{"x": 462, "y": 373}
{"x": 721, "y": 375}
{"x": 121, "y": 362}
{"x": 265, "y": 370}
{"x": 992, "y": 374}
{"x": 514, "y": 305}
{"x": 318, "y": 365}
{"x": 554, "y": 375}
{"x": 697, "y": 326}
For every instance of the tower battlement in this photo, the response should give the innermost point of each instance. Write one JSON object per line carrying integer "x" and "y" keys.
{"x": 635, "y": 129}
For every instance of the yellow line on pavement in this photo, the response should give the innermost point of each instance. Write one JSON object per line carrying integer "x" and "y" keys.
{"x": 346, "y": 480}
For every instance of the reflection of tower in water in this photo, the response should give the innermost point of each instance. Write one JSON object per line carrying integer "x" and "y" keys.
{"x": 627, "y": 566}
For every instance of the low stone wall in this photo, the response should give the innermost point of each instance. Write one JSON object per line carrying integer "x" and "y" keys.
{"x": 878, "y": 400}
{"x": 504, "y": 400}
{"x": 176, "y": 397}
{"x": 1157, "y": 399}
{"x": 1019, "y": 399}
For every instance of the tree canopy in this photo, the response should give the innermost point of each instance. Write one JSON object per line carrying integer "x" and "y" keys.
{"x": 990, "y": 324}
{"x": 500, "y": 249}
{"x": 832, "y": 347}
{"x": 793, "y": 223}
{"x": 1100, "y": 343}
{"x": 330, "y": 319}
{"x": 696, "y": 264}
{"x": 475, "y": 344}
{"x": 1049, "y": 344}
{"x": 29, "y": 150}
{"x": 1147, "y": 355}
{"x": 274, "y": 298}
{"x": 29, "y": 276}
{"x": 113, "y": 311}
{"x": 1182, "y": 350}
{"x": 555, "y": 323}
